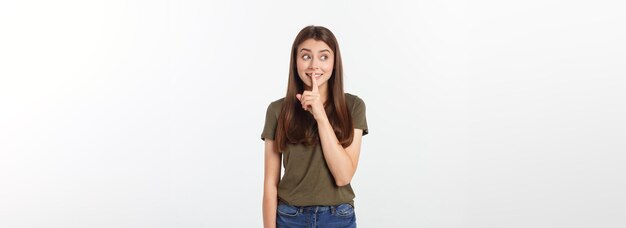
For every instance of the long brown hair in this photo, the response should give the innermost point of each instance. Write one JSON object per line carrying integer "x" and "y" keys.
{"x": 296, "y": 125}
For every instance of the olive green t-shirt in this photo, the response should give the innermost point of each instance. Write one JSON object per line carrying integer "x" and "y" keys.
{"x": 307, "y": 181}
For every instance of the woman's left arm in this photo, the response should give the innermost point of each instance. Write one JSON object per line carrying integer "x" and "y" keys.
{"x": 342, "y": 162}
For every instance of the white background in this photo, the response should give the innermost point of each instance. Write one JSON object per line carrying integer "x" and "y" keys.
{"x": 149, "y": 113}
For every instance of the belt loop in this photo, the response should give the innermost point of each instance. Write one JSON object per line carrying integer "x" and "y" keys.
{"x": 332, "y": 210}
{"x": 301, "y": 209}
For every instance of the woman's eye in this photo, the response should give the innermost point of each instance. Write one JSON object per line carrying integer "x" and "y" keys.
{"x": 306, "y": 57}
{"x": 324, "y": 57}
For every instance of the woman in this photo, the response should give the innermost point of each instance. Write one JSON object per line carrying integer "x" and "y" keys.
{"x": 316, "y": 129}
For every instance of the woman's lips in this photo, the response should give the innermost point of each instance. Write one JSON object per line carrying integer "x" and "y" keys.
{"x": 317, "y": 75}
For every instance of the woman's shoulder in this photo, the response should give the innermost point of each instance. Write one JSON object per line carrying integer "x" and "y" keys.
{"x": 276, "y": 105}
{"x": 352, "y": 99}
{"x": 278, "y": 102}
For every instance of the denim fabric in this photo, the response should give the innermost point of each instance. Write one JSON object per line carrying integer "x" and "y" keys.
{"x": 339, "y": 216}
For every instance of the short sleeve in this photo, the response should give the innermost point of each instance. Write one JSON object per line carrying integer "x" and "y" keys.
{"x": 271, "y": 121}
{"x": 358, "y": 115}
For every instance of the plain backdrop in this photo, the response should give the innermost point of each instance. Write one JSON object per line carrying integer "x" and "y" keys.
{"x": 149, "y": 113}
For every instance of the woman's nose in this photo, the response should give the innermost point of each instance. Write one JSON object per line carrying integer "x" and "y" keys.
{"x": 314, "y": 64}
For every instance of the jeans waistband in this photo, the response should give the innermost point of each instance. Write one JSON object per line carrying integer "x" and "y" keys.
{"x": 314, "y": 208}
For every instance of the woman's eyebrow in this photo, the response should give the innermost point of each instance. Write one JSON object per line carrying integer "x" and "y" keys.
{"x": 306, "y": 49}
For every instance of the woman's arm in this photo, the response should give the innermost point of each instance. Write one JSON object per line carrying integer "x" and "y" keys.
{"x": 342, "y": 162}
{"x": 270, "y": 185}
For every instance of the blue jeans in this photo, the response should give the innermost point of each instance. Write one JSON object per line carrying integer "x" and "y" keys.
{"x": 341, "y": 215}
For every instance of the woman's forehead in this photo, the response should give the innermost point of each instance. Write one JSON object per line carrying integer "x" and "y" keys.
{"x": 315, "y": 46}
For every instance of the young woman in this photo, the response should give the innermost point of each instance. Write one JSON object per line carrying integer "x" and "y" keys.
{"x": 316, "y": 130}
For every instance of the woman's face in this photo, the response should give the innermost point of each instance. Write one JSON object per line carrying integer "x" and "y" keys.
{"x": 315, "y": 58}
